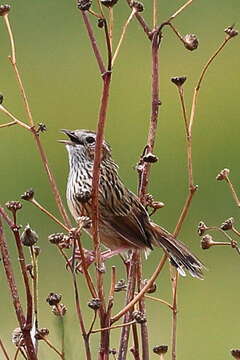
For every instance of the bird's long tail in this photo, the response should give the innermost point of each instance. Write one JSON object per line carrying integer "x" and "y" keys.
{"x": 179, "y": 255}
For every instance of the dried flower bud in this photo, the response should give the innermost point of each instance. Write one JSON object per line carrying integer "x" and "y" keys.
{"x": 230, "y": 31}
{"x": 160, "y": 349}
{"x": 152, "y": 288}
{"x": 191, "y": 42}
{"x": 36, "y": 250}
{"x": 95, "y": 303}
{"x": 109, "y": 3}
{"x": 41, "y": 333}
{"x": 223, "y": 174}
{"x": 206, "y": 242}
{"x": 17, "y": 337}
{"x": 120, "y": 285}
{"x": 29, "y": 268}
{"x": 227, "y": 224}
{"x": 84, "y": 5}
{"x": 84, "y": 222}
{"x": 139, "y": 316}
{"x": 29, "y": 237}
{"x": 100, "y": 23}
{"x": 178, "y": 80}
{"x": 53, "y": 299}
{"x": 13, "y": 206}
{"x": 56, "y": 238}
{"x": 235, "y": 353}
{"x": 137, "y": 5}
{"x": 28, "y": 195}
{"x": 41, "y": 128}
{"x": 59, "y": 310}
{"x": 150, "y": 158}
{"x": 202, "y": 227}
{"x": 1, "y": 98}
{"x": 4, "y": 9}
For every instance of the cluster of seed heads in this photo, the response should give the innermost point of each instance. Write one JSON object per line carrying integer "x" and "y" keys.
{"x": 94, "y": 304}
{"x": 139, "y": 317}
{"x": 53, "y": 300}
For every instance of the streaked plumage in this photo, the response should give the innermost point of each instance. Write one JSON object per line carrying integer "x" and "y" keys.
{"x": 124, "y": 222}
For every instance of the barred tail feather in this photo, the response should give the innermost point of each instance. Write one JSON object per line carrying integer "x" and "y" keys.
{"x": 179, "y": 255}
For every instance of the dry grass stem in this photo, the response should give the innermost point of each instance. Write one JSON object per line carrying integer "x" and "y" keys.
{"x": 234, "y": 194}
{"x": 114, "y": 327}
{"x": 17, "y": 121}
{"x": 8, "y": 124}
{"x": 4, "y": 350}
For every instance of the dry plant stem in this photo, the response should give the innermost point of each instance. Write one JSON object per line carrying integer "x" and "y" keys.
{"x": 135, "y": 350}
{"x": 143, "y": 291}
{"x": 142, "y": 22}
{"x": 111, "y": 22}
{"x": 159, "y": 300}
{"x": 180, "y": 10}
{"x": 15, "y": 296}
{"x": 15, "y": 230}
{"x": 174, "y": 314}
{"x": 17, "y": 353}
{"x": 52, "y": 347}
{"x": 17, "y": 121}
{"x": 43, "y": 155}
{"x": 234, "y": 194}
{"x": 113, "y": 327}
{"x": 4, "y": 350}
{"x": 144, "y": 330}
{"x": 124, "y": 29}
{"x": 35, "y": 290}
{"x": 93, "y": 43}
{"x": 154, "y": 114}
{"x": 8, "y": 124}
{"x": 123, "y": 346}
{"x": 197, "y": 88}
{"x": 154, "y": 13}
{"x": 45, "y": 211}
{"x": 176, "y": 32}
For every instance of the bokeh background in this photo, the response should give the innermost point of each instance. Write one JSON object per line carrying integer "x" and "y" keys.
{"x": 63, "y": 84}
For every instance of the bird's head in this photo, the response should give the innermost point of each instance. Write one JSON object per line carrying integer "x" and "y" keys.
{"x": 82, "y": 143}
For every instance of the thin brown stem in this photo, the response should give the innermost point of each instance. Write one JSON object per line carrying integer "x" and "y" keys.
{"x": 11, "y": 123}
{"x": 124, "y": 29}
{"x": 111, "y": 23}
{"x": 113, "y": 327}
{"x": 234, "y": 194}
{"x": 174, "y": 314}
{"x": 35, "y": 289}
{"x": 17, "y": 353}
{"x": 176, "y": 32}
{"x": 143, "y": 291}
{"x": 158, "y": 300}
{"x": 154, "y": 14}
{"x": 179, "y": 10}
{"x": 4, "y": 350}
{"x": 135, "y": 350}
{"x": 142, "y": 22}
{"x": 52, "y": 347}
{"x": 17, "y": 121}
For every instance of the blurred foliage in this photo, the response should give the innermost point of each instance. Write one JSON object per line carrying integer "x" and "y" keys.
{"x": 62, "y": 80}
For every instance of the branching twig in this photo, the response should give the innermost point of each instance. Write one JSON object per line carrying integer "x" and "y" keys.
{"x": 4, "y": 350}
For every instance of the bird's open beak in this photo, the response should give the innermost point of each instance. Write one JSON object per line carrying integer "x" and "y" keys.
{"x": 69, "y": 133}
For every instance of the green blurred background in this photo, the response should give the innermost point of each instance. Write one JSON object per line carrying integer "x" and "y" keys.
{"x": 62, "y": 80}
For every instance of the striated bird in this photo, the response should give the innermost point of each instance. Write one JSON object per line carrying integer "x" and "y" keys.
{"x": 124, "y": 223}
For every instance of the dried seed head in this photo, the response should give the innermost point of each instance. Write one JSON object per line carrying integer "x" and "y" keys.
{"x": 84, "y": 5}
{"x": 41, "y": 128}
{"x": 36, "y": 250}
{"x": 120, "y": 285}
{"x": 223, "y": 174}
{"x": 13, "y": 206}
{"x": 1, "y": 98}
{"x": 230, "y": 31}
{"x": 84, "y": 222}
{"x": 4, "y": 9}
{"x": 17, "y": 337}
{"x": 41, "y": 333}
{"x": 100, "y": 23}
{"x": 206, "y": 242}
{"x": 227, "y": 224}
{"x": 109, "y": 3}
{"x": 202, "y": 227}
{"x": 178, "y": 80}
{"x": 190, "y": 42}
{"x": 59, "y": 310}
{"x": 235, "y": 353}
{"x": 28, "y": 195}
{"x": 95, "y": 303}
{"x": 139, "y": 316}
{"x": 29, "y": 237}
{"x": 137, "y": 5}
{"x": 150, "y": 158}
{"x": 160, "y": 349}
{"x": 29, "y": 268}
{"x": 56, "y": 238}
{"x": 53, "y": 299}
{"x": 152, "y": 288}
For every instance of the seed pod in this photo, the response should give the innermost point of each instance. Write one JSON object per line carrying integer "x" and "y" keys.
{"x": 84, "y": 5}
{"x": 29, "y": 237}
{"x": 137, "y": 5}
{"x": 223, "y": 174}
{"x": 206, "y": 242}
{"x": 227, "y": 224}
{"x": 13, "y": 206}
{"x": 160, "y": 349}
{"x": 28, "y": 195}
{"x": 109, "y": 3}
{"x": 191, "y": 42}
{"x": 53, "y": 299}
{"x": 179, "y": 80}
{"x": 235, "y": 353}
{"x": 56, "y": 238}
{"x": 94, "y": 303}
{"x": 202, "y": 227}
{"x": 41, "y": 333}
{"x": 150, "y": 158}
{"x": 4, "y": 9}
{"x": 230, "y": 31}
{"x": 139, "y": 316}
{"x": 120, "y": 285}
{"x": 17, "y": 337}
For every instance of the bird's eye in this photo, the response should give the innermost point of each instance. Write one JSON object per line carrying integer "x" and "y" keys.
{"x": 90, "y": 139}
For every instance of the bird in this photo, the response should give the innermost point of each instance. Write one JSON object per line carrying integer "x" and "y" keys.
{"x": 124, "y": 223}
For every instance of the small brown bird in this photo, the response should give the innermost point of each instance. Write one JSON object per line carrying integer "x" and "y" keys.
{"x": 124, "y": 223}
